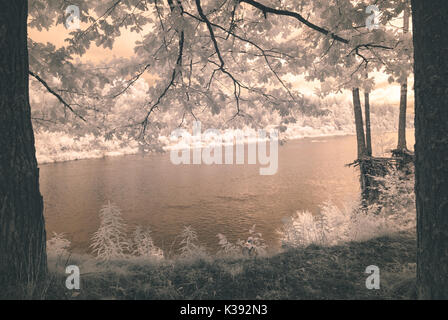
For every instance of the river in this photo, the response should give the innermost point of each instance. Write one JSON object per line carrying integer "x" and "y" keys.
{"x": 228, "y": 199}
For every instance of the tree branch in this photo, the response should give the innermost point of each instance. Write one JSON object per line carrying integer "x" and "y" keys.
{"x": 295, "y": 15}
{"x": 61, "y": 100}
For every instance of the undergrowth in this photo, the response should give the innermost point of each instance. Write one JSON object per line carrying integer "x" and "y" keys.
{"x": 324, "y": 256}
{"x": 313, "y": 272}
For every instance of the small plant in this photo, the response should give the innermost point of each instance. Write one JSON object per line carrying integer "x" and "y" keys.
{"x": 228, "y": 248}
{"x": 58, "y": 245}
{"x": 190, "y": 246}
{"x": 143, "y": 245}
{"x": 303, "y": 229}
{"x": 255, "y": 244}
{"x": 332, "y": 226}
{"x": 394, "y": 212}
{"x": 109, "y": 242}
{"x": 397, "y": 191}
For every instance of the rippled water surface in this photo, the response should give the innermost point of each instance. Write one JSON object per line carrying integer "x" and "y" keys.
{"x": 226, "y": 199}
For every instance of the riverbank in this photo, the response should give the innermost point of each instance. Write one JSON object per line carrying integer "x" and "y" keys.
{"x": 314, "y": 272}
{"x": 54, "y": 146}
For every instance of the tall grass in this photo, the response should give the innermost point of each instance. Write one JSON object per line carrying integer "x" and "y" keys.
{"x": 394, "y": 212}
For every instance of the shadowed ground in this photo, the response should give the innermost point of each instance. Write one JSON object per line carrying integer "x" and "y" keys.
{"x": 311, "y": 273}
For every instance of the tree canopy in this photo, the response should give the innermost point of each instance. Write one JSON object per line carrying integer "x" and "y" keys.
{"x": 227, "y": 57}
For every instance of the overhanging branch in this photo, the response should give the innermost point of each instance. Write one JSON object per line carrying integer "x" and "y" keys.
{"x": 295, "y": 15}
{"x": 61, "y": 100}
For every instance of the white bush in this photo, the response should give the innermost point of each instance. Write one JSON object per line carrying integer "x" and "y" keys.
{"x": 394, "y": 213}
{"x": 143, "y": 245}
{"x": 109, "y": 242}
{"x": 228, "y": 249}
{"x": 397, "y": 191}
{"x": 58, "y": 245}
{"x": 253, "y": 246}
{"x": 191, "y": 248}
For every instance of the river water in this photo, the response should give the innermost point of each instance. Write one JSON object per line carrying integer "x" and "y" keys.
{"x": 227, "y": 199}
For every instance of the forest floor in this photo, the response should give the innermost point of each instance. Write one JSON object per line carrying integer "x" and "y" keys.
{"x": 314, "y": 272}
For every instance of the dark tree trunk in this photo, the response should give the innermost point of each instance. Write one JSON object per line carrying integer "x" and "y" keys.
{"x": 401, "y": 146}
{"x": 364, "y": 163}
{"x": 22, "y": 228}
{"x": 359, "y": 123}
{"x": 368, "y": 131}
{"x": 431, "y": 146}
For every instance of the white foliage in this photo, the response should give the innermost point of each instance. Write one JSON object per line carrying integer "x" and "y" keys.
{"x": 228, "y": 248}
{"x": 109, "y": 242}
{"x": 397, "y": 197}
{"x": 58, "y": 245}
{"x": 335, "y": 226}
{"x": 143, "y": 245}
{"x": 301, "y": 230}
{"x": 253, "y": 246}
{"x": 190, "y": 247}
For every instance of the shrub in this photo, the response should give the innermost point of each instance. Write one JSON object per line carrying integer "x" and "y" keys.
{"x": 228, "y": 249}
{"x": 109, "y": 242}
{"x": 395, "y": 212}
{"x": 58, "y": 245}
{"x": 397, "y": 191}
{"x": 143, "y": 245}
{"x": 190, "y": 247}
{"x": 253, "y": 246}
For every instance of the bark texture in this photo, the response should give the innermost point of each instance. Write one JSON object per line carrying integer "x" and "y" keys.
{"x": 431, "y": 147}
{"x": 22, "y": 228}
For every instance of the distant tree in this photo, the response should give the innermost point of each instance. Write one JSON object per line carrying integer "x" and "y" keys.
{"x": 401, "y": 146}
{"x": 368, "y": 126}
{"x": 360, "y": 137}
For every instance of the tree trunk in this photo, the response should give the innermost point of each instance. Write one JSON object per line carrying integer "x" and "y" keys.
{"x": 364, "y": 164}
{"x": 401, "y": 146}
{"x": 368, "y": 133}
{"x": 402, "y": 118}
{"x": 431, "y": 146}
{"x": 22, "y": 228}
{"x": 359, "y": 123}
